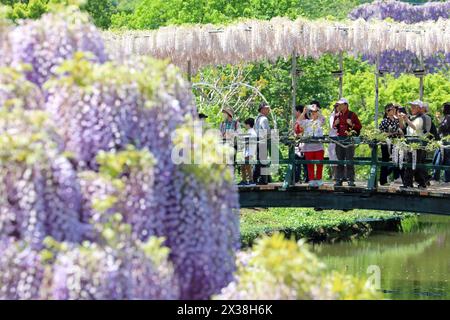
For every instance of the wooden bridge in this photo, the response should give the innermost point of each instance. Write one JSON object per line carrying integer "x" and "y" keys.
{"x": 433, "y": 200}
{"x": 366, "y": 195}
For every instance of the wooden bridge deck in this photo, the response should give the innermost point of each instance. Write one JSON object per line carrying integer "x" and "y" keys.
{"x": 435, "y": 199}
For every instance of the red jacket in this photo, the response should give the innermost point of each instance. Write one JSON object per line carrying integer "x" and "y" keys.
{"x": 343, "y": 127}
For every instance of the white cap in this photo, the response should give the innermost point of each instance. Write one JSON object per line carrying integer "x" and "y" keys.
{"x": 416, "y": 103}
{"x": 342, "y": 101}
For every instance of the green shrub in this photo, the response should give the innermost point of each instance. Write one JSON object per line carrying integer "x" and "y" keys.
{"x": 276, "y": 269}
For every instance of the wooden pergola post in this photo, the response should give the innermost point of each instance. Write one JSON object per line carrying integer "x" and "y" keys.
{"x": 421, "y": 78}
{"x": 341, "y": 74}
{"x": 189, "y": 70}
{"x": 377, "y": 74}
{"x": 292, "y": 168}
{"x": 293, "y": 84}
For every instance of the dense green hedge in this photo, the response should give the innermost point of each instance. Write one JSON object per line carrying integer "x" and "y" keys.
{"x": 328, "y": 225}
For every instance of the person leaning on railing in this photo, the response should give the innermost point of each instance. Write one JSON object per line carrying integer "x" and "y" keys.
{"x": 347, "y": 124}
{"x": 392, "y": 127}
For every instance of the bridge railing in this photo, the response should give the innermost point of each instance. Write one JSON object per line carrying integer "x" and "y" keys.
{"x": 374, "y": 162}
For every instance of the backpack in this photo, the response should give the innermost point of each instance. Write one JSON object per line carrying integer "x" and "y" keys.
{"x": 235, "y": 125}
{"x": 433, "y": 129}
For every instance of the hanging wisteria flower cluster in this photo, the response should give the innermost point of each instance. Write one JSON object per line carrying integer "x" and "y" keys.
{"x": 396, "y": 60}
{"x": 85, "y": 139}
{"x": 45, "y": 45}
{"x": 39, "y": 191}
{"x": 402, "y": 11}
{"x": 247, "y": 41}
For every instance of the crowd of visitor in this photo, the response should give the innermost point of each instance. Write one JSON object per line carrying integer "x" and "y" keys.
{"x": 397, "y": 122}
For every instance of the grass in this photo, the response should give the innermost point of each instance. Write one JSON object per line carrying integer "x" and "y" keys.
{"x": 327, "y": 225}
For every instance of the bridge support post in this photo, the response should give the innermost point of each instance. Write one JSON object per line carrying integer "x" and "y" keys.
{"x": 372, "y": 183}
{"x": 289, "y": 179}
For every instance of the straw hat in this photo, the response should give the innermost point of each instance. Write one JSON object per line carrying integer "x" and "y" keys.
{"x": 228, "y": 111}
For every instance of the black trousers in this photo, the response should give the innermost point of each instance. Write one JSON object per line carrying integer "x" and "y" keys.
{"x": 346, "y": 172}
{"x": 420, "y": 175}
{"x": 262, "y": 154}
{"x": 298, "y": 170}
{"x": 386, "y": 171}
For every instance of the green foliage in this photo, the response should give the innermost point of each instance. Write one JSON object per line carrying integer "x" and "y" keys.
{"x": 299, "y": 223}
{"x": 99, "y": 10}
{"x": 276, "y": 268}
{"x": 33, "y": 143}
{"x": 274, "y": 82}
{"x": 151, "y": 14}
{"x": 359, "y": 89}
{"x": 33, "y": 9}
{"x": 80, "y": 72}
{"x": 202, "y": 154}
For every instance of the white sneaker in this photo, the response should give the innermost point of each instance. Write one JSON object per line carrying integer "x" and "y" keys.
{"x": 319, "y": 183}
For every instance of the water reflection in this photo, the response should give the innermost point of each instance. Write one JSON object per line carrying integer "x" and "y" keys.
{"x": 413, "y": 265}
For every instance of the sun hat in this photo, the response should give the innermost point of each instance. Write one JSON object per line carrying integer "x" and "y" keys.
{"x": 342, "y": 101}
{"x": 416, "y": 103}
{"x": 313, "y": 107}
{"x": 228, "y": 111}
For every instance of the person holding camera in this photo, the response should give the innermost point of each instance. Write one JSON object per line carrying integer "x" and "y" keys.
{"x": 415, "y": 127}
{"x": 392, "y": 127}
{"x": 312, "y": 123}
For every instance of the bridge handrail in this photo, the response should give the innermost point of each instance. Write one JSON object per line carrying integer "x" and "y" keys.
{"x": 374, "y": 162}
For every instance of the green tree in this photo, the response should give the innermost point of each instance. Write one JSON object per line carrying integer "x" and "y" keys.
{"x": 100, "y": 10}
{"x": 151, "y": 14}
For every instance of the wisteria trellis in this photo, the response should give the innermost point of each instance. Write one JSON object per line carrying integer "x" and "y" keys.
{"x": 254, "y": 40}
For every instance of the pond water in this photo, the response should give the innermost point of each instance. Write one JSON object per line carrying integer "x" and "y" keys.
{"x": 412, "y": 265}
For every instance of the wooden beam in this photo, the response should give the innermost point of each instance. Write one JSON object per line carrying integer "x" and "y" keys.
{"x": 342, "y": 199}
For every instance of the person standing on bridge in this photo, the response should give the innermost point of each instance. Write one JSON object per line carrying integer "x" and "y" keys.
{"x": 313, "y": 127}
{"x": 347, "y": 124}
{"x": 262, "y": 128}
{"x": 415, "y": 127}
{"x": 299, "y": 154}
{"x": 391, "y": 126}
{"x": 249, "y": 153}
{"x": 229, "y": 130}
{"x": 444, "y": 131}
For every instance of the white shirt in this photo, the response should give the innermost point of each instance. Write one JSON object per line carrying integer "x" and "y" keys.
{"x": 250, "y": 148}
{"x": 418, "y": 123}
{"x": 262, "y": 127}
{"x": 333, "y": 131}
{"x": 313, "y": 128}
